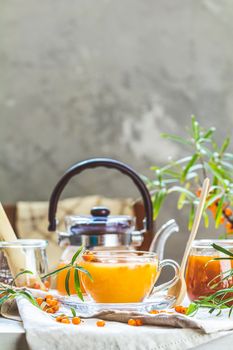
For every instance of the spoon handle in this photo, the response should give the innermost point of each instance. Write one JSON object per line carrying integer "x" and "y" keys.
{"x": 196, "y": 222}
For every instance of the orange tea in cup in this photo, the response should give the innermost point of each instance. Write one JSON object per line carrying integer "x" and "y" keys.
{"x": 123, "y": 276}
{"x": 119, "y": 276}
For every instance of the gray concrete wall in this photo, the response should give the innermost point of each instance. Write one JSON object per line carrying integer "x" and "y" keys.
{"x": 86, "y": 78}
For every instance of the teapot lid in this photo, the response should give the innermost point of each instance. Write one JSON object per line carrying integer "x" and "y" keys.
{"x": 99, "y": 222}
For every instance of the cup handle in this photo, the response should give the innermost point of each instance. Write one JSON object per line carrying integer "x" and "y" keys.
{"x": 173, "y": 281}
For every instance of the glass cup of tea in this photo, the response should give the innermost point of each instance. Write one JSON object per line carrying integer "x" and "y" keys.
{"x": 203, "y": 274}
{"x": 123, "y": 276}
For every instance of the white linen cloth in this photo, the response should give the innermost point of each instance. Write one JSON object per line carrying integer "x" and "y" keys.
{"x": 44, "y": 333}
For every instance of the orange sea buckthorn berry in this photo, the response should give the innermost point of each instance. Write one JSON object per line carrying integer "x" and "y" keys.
{"x": 100, "y": 323}
{"x": 222, "y": 219}
{"x": 50, "y": 310}
{"x": 56, "y": 308}
{"x": 138, "y": 322}
{"x": 46, "y": 284}
{"x": 181, "y": 309}
{"x": 154, "y": 312}
{"x": 65, "y": 320}
{"x": 131, "y": 322}
{"x": 229, "y": 225}
{"x": 76, "y": 320}
{"x": 65, "y": 317}
{"x": 228, "y": 211}
{"x": 59, "y": 318}
{"x": 213, "y": 209}
{"x": 198, "y": 192}
{"x": 36, "y": 286}
{"x": 51, "y": 302}
{"x": 39, "y": 301}
{"x": 48, "y": 296}
{"x": 89, "y": 257}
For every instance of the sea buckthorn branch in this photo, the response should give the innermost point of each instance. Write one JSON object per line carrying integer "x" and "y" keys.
{"x": 72, "y": 265}
{"x": 185, "y": 176}
{"x": 10, "y": 292}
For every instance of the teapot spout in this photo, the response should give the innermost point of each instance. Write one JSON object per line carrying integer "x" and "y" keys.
{"x": 160, "y": 238}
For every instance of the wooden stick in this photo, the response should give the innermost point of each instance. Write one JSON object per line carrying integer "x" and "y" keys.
{"x": 179, "y": 289}
{"x": 196, "y": 223}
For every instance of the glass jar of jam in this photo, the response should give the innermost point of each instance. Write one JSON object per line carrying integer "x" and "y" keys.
{"x": 203, "y": 273}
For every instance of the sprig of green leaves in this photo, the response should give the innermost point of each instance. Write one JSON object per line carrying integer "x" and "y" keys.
{"x": 185, "y": 176}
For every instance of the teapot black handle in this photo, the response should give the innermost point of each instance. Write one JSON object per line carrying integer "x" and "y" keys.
{"x": 93, "y": 163}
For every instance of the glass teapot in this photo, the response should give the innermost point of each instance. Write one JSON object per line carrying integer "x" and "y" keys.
{"x": 100, "y": 230}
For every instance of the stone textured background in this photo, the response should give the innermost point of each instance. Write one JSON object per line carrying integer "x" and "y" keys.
{"x": 86, "y": 78}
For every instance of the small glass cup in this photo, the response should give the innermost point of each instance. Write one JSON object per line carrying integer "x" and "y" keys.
{"x": 203, "y": 274}
{"x": 123, "y": 276}
{"x": 31, "y": 255}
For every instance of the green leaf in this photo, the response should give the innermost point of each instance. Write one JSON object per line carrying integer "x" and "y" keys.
{"x": 212, "y": 199}
{"x": 219, "y": 211}
{"x": 195, "y": 128}
{"x": 67, "y": 279}
{"x": 3, "y": 299}
{"x": 196, "y": 167}
{"x": 158, "y": 201}
{"x": 219, "y": 173}
{"x": 221, "y": 249}
{"x": 191, "y": 217}
{"x": 225, "y": 145}
{"x": 28, "y": 296}
{"x": 228, "y": 156}
{"x": 176, "y": 139}
{"x": 209, "y": 133}
{"x": 206, "y": 219}
{"x": 223, "y": 258}
{"x": 192, "y": 309}
{"x": 154, "y": 167}
{"x": 77, "y": 285}
{"x": 182, "y": 197}
{"x": 205, "y": 151}
{"x": 73, "y": 311}
{"x": 10, "y": 290}
{"x": 172, "y": 173}
{"x": 81, "y": 269}
{"x": 227, "y": 165}
{"x": 178, "y": 162}
{"x": 21, "y": 273}
{"x": 231, "y": 309}
{"x": 188, "y": 166}
{"x": 180, "y": 189}
{"x": 228, "y": 273}
{"x": 76, "y": 255}
{"x": 56, "y": 271}
{"x": 165, "y": 181}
